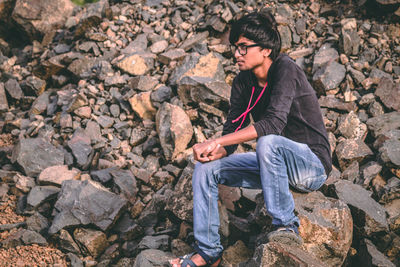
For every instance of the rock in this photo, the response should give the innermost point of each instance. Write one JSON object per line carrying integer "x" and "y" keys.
{"x": 207, "y": 66}
{"x": 102, "y": 176}
{"x": 174, "y": 129}
{"x": 236, "y": 254}
{"x": 24, "y": 183}
{"x": 152, "y": 258}
{"x": 326, "y": 227}
{"x": 105, "y": 121}
{"x": 31, "y": 237}
{"x": 41, "y": 18}
{"x": 92, "y": 131}
{"x": 329, "y": 76}
{"x": 351, "y": 150}
{"x": 127, "y": 228}
{"x": 55, "y": 175}
{"x": 323, "y": 56}
{"x": 384, "y": 123}
{"x": 13, "y": 240}
{"x": 40, "y": 104}
{"x": 228, "y": 196}
{"x": 192, "y": 41}
{"x": 81, "y": 148}
{"x": 155, "y": 242}
{"x": 137, "y": 64}
{"x": 142, "y": 105}
{"x": 350, "y": 126}
{"x": 83, "y": 112}
{"x": 334, "y": 103}
{"x": 177, "y": 55}
{"x": 82, "y": 67}
{"x": 181, "y": 201}
{"x": 67, "y": 243}
{"x": 389, "y": 93}
{"x": 143, "y": 83}
{"x": 276, "y": 254}
{"x": 352, "y": 173}
{"x": 36, "y": 154}
{"x": 86, "y": 202}
{"x": 3, "y": 99}
{"x": 126, "y": 183}
{"x": 161, "y": 94}
{"x": 369, "y": 171}
{"x": 286, "y": 37}
{"x": 389, "y": 153}
{"x": 38, "y": 223}
{"x": 159, "y": 47}
{"x": 351, "y": 42}
{"x": 149, "y": 216}
{"x": 369, "y": 255}
{"x": 194, "y": 89}
{"x": 369, "y": 217}
{"x": 40, "y": 194}
{"x": 91, "y": 16}
{"x": 13, "y": 89}
{"x": 93, "y": 242}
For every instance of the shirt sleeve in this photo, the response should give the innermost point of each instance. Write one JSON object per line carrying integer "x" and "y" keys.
{"x": 237, "y": 107}
{"x": 282, "y": 93}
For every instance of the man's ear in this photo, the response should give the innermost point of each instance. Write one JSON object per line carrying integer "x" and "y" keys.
{"x": 266, "y": 52}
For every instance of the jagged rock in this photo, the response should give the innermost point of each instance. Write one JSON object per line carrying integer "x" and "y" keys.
{"x": 36, "y": 154}
{"x": 155, "y": 242}
{"x": 55, "y": 175}
{"x": 334, "y": 103}
{"x": 91, "y": 16}
{"x": 152, "y": 258}
{"x": 326, "y": 227}
{"x": 329, "y": 76}
{"x": 92, "y": 130}
{"x": 41, "y": 17}
{"x": 350, "y": 126}
{"x": 350, "y": 150}
{"x": 323, "y": 56}
{"x": 102, "y": 176}
{"x": 161, "y": 94}
{"x": 389, "y": 93}
{"x": 159, "y": 47}
{"x": 86, "y": 202}
{"x": 369, "y": 255}
{"x": 177, "y": 54}
{"x": 369, "y": 217}
{"x": 384, "y": 123}
{"x": 174, "y": 129}
{"x": 127, "y": 228}
{"x": 38, "y": 223}
{"x": 3, "y": 98}
{"x": 13, "y": 240}
{"x": 40, "y": 104}
{"x": 13, "y": 89}
{"x": 126, "y": 183}
{"x": 92, "y": 242}
{"x": 181, "y": 201}
{"x": 207, "y": 66}
{"x": 24, "y": 183}
{"x": 82, "y": 67}
{"x": 352, "y": 172}
{"x": 39, "y": 194}
{"x": 192, "y": 41}
{"x": 31, "y": 237}
{"x": 389, "y": 152}
{"x": 67, "y": 243}
{"x": 276, "y": 254}
{"x": 137, "y": 64}
{"x": 195, "y": 89}
{"x": 143, "y": 83}
{"x": 142, "y": 105}
{"x": 236, "y": 254}
{"x": 81, "y": 148}
{"x": 149, "y": 216}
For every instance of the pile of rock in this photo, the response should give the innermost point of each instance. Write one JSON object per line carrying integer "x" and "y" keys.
{"x": 107, "y": 99}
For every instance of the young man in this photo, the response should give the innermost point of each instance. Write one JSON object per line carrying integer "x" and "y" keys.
{"x": 292, "y": 144}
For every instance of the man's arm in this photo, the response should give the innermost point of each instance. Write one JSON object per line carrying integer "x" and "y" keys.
{"x": 214, "y": 149}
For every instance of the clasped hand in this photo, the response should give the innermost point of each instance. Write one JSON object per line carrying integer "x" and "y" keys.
{"x": 208, "y": 151}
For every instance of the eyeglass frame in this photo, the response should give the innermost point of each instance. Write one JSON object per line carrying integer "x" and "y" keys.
{"x": 239, "y": 47}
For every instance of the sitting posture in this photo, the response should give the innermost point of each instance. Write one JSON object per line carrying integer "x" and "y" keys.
{"x": 292, "y": 145}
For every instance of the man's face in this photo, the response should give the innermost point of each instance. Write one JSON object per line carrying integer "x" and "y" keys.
{"x": 247, "y": 57}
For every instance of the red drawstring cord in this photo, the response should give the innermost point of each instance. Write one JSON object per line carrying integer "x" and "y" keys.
{"x": 244, "y": 114}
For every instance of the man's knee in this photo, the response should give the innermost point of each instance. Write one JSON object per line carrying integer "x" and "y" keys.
{"x": 268, "y": 143}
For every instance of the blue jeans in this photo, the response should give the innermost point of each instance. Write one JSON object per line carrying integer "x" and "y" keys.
{"x": 277, "y": 162}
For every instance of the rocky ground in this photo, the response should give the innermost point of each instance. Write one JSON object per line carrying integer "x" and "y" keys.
{"x": 100, "y": 105}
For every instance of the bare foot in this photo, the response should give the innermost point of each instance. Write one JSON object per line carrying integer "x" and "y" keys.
{"x": 197, "y": 259}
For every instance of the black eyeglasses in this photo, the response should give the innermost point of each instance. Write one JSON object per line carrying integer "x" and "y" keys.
{"x": 242, "y": 48}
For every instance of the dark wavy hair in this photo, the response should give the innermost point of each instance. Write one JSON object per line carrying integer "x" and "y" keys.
{"x": 259, "y": 27}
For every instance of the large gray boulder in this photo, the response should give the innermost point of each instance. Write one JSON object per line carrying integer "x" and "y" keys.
{"x": 86, "y": 202}
{"x": 36, "y": 154}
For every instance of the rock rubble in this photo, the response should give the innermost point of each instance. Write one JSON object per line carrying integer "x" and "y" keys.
{"x": 104, "y": 102}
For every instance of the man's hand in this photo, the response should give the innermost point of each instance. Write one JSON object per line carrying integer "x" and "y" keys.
{"x": 207, "y": 151}
{"x": 217, "y": 153}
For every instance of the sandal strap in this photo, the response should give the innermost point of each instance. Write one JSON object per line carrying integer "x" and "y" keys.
{"x": 188, "y": 262}
{"x": 209, "y": 260}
